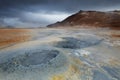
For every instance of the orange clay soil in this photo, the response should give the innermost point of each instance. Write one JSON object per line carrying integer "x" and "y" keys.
{"x": 12, "y": 36}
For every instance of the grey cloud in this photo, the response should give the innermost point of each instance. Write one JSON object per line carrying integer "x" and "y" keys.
{"x": 17, "y": 23}
{"x": 18, "y": 8}
{"x": 62, "y": 5}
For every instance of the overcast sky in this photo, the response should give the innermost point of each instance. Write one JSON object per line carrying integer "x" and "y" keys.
{"x": 39, "y": 13}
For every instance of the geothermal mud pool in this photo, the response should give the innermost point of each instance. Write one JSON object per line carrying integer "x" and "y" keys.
{"x": 62, "y": 54}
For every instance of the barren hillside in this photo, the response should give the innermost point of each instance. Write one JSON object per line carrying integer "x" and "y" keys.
{"x": 90, "y": 19}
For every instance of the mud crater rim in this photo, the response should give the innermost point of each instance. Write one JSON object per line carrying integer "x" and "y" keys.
{"x": 76, "y": 43}
{"x": 30, "y": 59}
{"x": 37, "y": 58}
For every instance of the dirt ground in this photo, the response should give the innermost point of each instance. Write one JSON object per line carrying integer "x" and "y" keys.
{"x": 13, "y": 36}
{"x": 59, "y": 54}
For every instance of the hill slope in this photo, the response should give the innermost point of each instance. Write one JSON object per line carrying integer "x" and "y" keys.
{"x": 91, "y": 18}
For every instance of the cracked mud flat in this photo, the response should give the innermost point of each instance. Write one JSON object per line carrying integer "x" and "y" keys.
{"x": 60, "y": 54}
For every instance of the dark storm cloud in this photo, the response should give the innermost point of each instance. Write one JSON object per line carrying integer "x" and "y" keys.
{"x": 29, "y": 11}
{"x": 58, "y": 4}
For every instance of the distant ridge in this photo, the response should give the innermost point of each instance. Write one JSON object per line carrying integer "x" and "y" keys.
{"x": 110, "y": 19}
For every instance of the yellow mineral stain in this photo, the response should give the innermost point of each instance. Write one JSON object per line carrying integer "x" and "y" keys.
{"x": 71, "y": 74}
{"x": 77, "y": 61}
{"x": 114, "y": 62}
{"x": 58, "y": 77}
